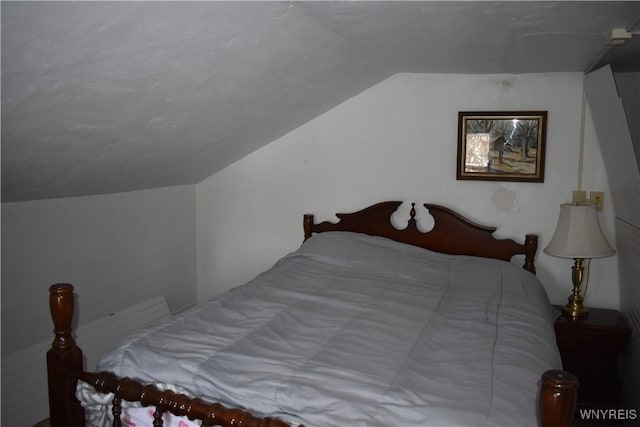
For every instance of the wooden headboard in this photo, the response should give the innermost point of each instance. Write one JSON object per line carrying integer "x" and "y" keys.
{"x": 451, "y": 234}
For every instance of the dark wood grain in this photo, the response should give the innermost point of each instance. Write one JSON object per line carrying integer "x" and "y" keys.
{"x": 451, "y": 233}
{"x": 64, "y": 355}
{"x": 211, "y": 414}
{"x": 557, "y": 401}
{"x": 590, "y": 346}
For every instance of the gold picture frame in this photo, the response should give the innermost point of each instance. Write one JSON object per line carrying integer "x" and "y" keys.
{"x": 501, "y": 145}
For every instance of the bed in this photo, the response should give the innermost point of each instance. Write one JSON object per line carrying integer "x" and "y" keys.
{"x": 364, "y": 325}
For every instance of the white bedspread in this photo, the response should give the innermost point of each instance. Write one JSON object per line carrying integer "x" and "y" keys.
{"x": 353, "y": 330}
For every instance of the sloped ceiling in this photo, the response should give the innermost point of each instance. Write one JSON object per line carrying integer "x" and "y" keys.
{"x": 101, "y": 97}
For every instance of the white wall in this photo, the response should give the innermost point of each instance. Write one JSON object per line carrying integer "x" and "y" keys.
{"x": 397, "y": 140}
{"x": 116, "y": 249}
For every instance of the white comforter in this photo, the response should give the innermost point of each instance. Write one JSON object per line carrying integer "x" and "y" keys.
{"x": 353, "y": 330}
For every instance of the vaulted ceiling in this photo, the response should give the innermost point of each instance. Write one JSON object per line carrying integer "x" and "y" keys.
{"x": 101, "y": 97}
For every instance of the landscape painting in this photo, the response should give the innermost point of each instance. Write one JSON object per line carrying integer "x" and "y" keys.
{"x": 501, "y": 146}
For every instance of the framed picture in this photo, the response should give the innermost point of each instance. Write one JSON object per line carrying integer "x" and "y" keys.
{"x": 501, "y": 145}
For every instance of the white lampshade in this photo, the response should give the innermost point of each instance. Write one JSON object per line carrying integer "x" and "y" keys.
{"x": 578, "y": 234}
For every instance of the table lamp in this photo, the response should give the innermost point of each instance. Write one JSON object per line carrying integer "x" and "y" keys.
{"x": 578, "y": 235}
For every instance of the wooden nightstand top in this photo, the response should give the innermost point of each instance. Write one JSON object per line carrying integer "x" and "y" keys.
{"x": 602, "y": 329}
{"x": 597, "y": 318}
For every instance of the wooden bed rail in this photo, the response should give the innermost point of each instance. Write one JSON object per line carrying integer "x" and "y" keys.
{"x": 211, "y": 414}
{"x": 64, "y": 367}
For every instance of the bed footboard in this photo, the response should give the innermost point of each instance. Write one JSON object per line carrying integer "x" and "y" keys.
{"x": 211, "y": 414}
{"x": 64, "y": 368}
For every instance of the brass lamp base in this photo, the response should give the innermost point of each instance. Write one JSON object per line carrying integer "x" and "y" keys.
{"x": 574, "y": 307}
{"x": 575, "y": 310}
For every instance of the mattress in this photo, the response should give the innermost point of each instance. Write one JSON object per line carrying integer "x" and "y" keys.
{"x": 361, "y": 331}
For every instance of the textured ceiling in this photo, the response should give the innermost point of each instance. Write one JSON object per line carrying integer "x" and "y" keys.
{"x": 101, "y": 97}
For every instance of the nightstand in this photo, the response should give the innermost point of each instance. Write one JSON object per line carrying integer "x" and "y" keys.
{"x": 589, "y": 347}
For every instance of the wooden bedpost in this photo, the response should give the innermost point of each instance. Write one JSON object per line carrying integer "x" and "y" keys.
{"x": 64, "y": 409}
{"x": 307, "y": 222}
{"x": 530, "y": 249}
{"x": 557, "y": 402}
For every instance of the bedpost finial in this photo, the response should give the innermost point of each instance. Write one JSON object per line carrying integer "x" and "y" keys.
{"x": 61, "y": 305}
{"x": 412, "y": 212}
{"x": 557, "y": 400}
{"x": 307, "y": 223}
{"x": 530, "y": 249}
